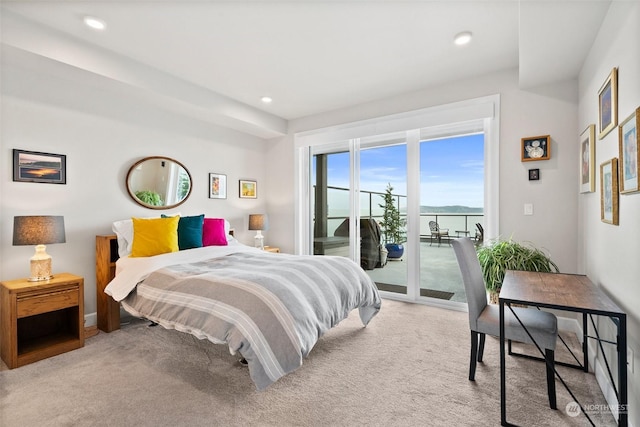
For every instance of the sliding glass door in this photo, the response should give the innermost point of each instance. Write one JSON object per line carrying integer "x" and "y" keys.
{"x": 383, "y": 211}
{"x": 401, "y": 230}
{"x": 331, "y": 201}
{"x": 439, "y": 180}
{"x": 342, "y": 198}
{"x": 451, "y": 204}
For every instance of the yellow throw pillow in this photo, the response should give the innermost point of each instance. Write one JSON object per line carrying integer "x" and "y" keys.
{"x": 154, "y": 236}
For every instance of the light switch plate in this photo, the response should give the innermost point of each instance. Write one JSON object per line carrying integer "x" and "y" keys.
{"x": 528, "y": 208}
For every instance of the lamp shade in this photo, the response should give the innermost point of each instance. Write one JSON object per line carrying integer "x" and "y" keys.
{"x": 38, "y": 230}
{"x": 258, "y": 222}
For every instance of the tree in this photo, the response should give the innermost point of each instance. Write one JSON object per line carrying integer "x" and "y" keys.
{"x": 392, "y": 223}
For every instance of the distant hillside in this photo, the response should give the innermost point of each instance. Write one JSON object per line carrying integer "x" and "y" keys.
{"x": 456, "y": 209}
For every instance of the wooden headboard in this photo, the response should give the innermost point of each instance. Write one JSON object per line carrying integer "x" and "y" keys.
{"x": 106, "y": 257}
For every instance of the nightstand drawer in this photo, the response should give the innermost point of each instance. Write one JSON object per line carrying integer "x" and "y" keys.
{"x": 45, "y": 303}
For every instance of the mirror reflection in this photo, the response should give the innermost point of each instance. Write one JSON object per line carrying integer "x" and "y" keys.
{"x": 159, "y": 182}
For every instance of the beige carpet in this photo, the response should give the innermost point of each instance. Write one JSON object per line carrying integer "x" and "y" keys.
{"x": 409, "y": 367}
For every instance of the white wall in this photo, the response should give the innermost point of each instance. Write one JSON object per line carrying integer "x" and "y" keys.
{"x": 43, "y": 113}
{"x": 609, "y": 254}
{"x": 523, "y": 113}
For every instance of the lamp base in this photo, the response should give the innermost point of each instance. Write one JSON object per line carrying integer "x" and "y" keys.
{"x": 40, "y": 265}
{"x": 259, "y": 240}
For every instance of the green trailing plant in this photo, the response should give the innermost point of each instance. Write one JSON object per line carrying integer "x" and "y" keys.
{"x": 392, "y": 224}
{"x": 149, "y": 197}
{"x": 501, "y": 255}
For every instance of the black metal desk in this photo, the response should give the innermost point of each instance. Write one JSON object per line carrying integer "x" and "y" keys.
{"x": 568, "y": 292}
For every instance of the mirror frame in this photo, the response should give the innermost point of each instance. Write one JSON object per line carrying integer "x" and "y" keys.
{"x": 140, "y": 202}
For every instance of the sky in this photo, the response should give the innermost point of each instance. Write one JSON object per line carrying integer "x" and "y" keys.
{"x": 451, "y": 170}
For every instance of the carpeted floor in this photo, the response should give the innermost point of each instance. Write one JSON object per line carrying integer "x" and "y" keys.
{"x": 409, "y": 367}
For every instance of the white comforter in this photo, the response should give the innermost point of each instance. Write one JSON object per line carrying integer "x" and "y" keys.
{"x": 272, "y": 308}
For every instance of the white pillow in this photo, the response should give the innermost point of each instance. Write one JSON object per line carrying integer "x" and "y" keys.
{"x": 124, "y": 232}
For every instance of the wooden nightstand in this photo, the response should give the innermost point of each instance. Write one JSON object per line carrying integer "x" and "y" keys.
{"x": 272, "y": 249}
{"x": 40, "y": 319}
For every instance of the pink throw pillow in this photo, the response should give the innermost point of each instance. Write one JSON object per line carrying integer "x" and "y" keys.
{"x": 213, "y": 232}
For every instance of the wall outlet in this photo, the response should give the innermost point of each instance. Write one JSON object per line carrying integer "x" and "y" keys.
{"x": 630, "y": 359}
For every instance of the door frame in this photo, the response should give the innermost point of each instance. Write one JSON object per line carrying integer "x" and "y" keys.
{"x": 449, "y": 119}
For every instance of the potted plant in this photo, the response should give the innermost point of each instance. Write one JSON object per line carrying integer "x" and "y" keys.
{"x": 149, "y": 197}
{"x": 392, "y": 225}
{"x": 501, "y": 255}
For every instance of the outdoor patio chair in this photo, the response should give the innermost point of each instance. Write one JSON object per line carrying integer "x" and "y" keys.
{"x": 485, "y": 318}
{"x": 438, "y": 233}
{"x": 479, "y": 233}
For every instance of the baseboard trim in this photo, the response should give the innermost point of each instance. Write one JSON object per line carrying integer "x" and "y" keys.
{"x": 90, "y": 319}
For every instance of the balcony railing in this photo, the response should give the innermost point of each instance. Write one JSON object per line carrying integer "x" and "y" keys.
{"x": 457, "y": 223}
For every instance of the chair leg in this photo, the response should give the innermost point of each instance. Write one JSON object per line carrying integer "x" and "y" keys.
{"x": 474, "y": 356}
{"x": 481, "y": 347}
{"x": 551, "y": 378}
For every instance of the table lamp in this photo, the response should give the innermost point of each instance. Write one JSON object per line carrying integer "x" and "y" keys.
{"x": 258, "y": 222}
{"x": 39, "y": 231}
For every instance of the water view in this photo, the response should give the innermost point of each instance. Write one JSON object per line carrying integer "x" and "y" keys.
{"x": 451, "y": 174}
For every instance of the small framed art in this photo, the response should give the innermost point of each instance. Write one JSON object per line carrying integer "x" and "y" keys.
{"x": 587, "y": 160}
{"x": 608, "y": 104}
{"x": 217, "y": 186}
{"x": 536, "y": 148}
{"x": 248, "y": 189}
{"x": 534, "y": 174}
{"x": 628, "y": 141}
{"x": 33, "y": 166}
{"x": 609, "y": 191}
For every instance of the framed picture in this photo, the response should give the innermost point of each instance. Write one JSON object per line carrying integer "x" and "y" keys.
{"x": 608, "y": 104}
{"x": 248, "y": 189}
{"x": 534, "y": 174}
{"x": 32, "y": 166}
{"x": 217, "y": 186}
{"x": 587, "y": 160}
{"x": 609, "y": 191}
{"x": 536, "y": 148}
{"x": 628, "y": 141}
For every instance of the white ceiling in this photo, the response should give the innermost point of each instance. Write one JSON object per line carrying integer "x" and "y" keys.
{"x": 316, "y": 56}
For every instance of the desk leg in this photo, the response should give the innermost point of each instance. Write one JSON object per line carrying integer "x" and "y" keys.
{"x": 585, "y": 343}
{"x": 623, "y": 414}
{"x": 503, "y": 385}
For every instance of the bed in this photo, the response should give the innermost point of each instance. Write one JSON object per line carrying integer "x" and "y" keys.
{"x": 269, "y": 308}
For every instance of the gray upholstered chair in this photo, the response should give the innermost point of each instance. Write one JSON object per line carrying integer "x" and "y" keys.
{"x": 485, "y": 318}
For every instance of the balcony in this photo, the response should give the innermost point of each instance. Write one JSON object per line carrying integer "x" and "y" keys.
{"x": 439, "y": 273}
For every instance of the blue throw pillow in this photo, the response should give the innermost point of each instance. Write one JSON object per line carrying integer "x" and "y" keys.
{"x": 190, "y": 231}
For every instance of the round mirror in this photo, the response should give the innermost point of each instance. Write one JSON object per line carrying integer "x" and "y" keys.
{"x": 159, "y": 182}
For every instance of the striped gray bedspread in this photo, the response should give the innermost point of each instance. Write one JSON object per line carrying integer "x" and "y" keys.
{"x": 271, "y": 308}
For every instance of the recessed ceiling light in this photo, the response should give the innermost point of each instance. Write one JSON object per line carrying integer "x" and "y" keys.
{"x": 266, "y": 99}
{"x": 94, "y": 23}
{"x": 462, "y": 38}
